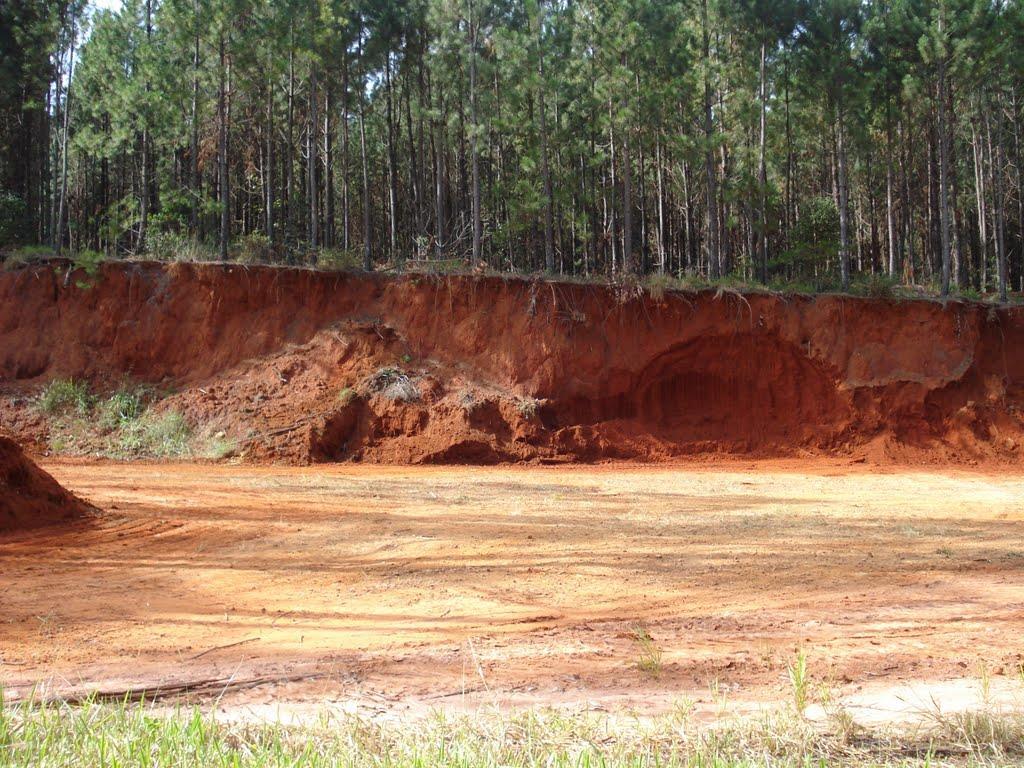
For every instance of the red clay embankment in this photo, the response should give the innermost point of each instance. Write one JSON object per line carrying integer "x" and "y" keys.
{"x": 297, "y": 365}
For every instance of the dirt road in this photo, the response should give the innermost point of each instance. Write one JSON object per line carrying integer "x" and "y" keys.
{"x": 409, "y": 588}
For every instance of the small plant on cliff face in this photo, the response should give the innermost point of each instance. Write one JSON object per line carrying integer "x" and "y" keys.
{"x": 394, "y": 384}
{"x": 346, "y": 396}
{"x": 64, "y": 395}
{"x": 88, "y": 261}
{"x": 528, "y": 407}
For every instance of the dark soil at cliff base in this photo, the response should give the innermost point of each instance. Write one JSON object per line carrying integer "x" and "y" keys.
{"x": 300, "y": 366}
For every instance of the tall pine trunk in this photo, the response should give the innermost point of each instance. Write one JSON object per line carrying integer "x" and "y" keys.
{"x": 222, "y": 152}
{"x": 843, "y": 195}
{"x": 549, "y": 245}
{"x": 762, "y": 171}
{"x": 474, "y": 141}
{"x": 367, "y": 234}
{"x": 714, "y": 251}
{"x": 943, "y": 141}
{"x": 312, "y": 162}
{"x": 194, "y": 139}
{"x": 59, "y": 228}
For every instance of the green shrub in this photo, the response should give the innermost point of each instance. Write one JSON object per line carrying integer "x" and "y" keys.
{"x": 970, "y": 293}
{"x": 171, "y": 246}
{"x": 876, "y": 286}
{"x": 339, "y": 259}
{"x": 13, "y": 218}
{"x": 64, "y": 395}
{"x": 254, "y": 248}
{"x": 88, "y": 261}
{"x": 814, "y": 242}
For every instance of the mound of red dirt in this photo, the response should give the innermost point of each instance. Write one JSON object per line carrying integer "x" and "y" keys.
{"x": 297, "y": 365}
{"x": 29, "y": 497}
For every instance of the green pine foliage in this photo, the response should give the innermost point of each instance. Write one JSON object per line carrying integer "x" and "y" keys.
{"x": 781, "y": 142}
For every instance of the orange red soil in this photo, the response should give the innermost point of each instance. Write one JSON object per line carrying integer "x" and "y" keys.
{"x": 29, "y": 497}
{"x": 300, "y": 366}
{"x": 404, "y": 588}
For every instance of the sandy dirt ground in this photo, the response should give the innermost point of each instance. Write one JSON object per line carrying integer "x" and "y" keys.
{"x": 402, "y": 590}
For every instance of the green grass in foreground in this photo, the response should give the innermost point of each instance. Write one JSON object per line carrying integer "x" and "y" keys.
{"x": 136, "y": 735}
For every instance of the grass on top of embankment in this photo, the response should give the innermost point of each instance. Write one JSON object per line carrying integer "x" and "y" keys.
{"x": 137, "y": 735}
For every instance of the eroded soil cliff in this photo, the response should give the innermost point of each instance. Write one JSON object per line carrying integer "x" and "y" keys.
{"x": 295, "y": 365}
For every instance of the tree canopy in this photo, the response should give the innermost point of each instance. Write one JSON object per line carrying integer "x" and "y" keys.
{"x": 812, "y": 141}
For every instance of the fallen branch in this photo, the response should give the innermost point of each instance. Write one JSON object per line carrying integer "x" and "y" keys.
{"x": 200, "y": 687}
{"x": 222, "y": 647}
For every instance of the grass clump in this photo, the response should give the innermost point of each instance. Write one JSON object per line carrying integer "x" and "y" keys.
{"x": 876, "y": 286}
{"x": 649, "y": 653}
{"x": 799, "y": 681}
{"x": 26, "y": 255}
{"x": 121, "y": 408}
{"x": 134, "y": 734}
{"x": 175, "y": 247}
{"x": 219, "y": 447}
{"x": 254, "y": 248}
{"x": 338, "y": 259}
{"x": 63, "y": 395}
{"x": 159, "y": 435}
{"x": 122, "y": 425}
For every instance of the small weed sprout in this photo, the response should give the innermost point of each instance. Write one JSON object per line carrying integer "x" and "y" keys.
{"x": 985, "y": 681}
{"x": 798, "y": 679}
{"x": 346, "y": 396}
{"x": 648, "y": 653}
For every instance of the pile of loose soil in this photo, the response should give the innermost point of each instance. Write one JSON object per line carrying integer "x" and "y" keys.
{"x": 30, "y": 498}
{"x": 300, "y": 366}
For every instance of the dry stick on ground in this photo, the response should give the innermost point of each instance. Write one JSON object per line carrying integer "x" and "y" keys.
{"x": 222, "y": 647}
{"x": 200, "y": 687}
